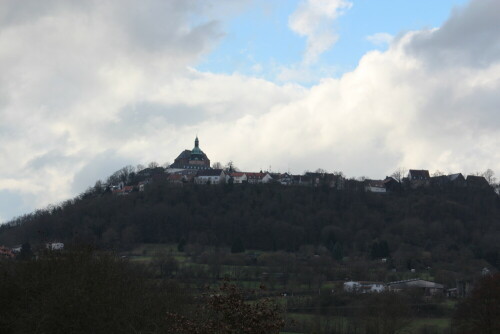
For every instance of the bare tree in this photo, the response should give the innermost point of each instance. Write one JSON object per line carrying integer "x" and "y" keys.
{"x": 399, "y": 173}
{"x": 438, "y": 173}
{"x": 153, "y": 164}
{"x": 489, "y": 175}
{"x": 230, "y": 167}
{"x": 217, "y": 165}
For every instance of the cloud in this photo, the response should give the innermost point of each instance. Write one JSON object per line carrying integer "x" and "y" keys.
{"x": 380, "y": 39}
{"x": 468, "y": 38}
{"x": 82, "y": 94}
{"x": 314, "y": 20}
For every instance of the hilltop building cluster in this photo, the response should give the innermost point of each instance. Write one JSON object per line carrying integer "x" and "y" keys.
{"x": 193, "y": 166}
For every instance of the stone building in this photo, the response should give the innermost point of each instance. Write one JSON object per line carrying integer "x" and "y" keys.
{"x": 192, "y": 159}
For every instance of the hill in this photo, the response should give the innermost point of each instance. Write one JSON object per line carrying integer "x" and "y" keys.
{"x": 454, "y": 229}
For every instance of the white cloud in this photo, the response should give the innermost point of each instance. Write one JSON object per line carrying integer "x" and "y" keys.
{"x": 81, "y": 95}
{"x": 314, "y": 19}
{"x": 380, "y": 39}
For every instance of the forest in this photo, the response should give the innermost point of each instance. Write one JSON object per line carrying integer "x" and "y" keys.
{"x": 455, "y": 229}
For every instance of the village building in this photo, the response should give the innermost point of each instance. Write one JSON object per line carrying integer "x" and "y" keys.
{"x": 375, "y": 186}
{"x": 363, "y": 287}
{"x": 391, "y": 184}
{"x": 474, "y": 181}
{"x": 254, "y": 178}
{"x": 211, "y": 176}
{"x": 236, "y": 177}
{"x": 457, "y": 180}
{"x": 194, "y": 159}
{"x": 427, "y": 287}
{"x": 418, "y": 178}
{"x": 54, "y": 245}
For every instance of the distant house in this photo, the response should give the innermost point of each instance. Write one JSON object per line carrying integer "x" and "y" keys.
{"x": 375, "y": 186}
{"x": 125, "y": 190}
{"x": 285, "y": 179}
{"x": 210, "y": 176}
{"x": 457, "y": 180}
{"x": 391, "y": 184}
{"x": 363, "y": 287}
{"x": 474, "y": 181}
{"x": 6, "y": 252}
{"x": 54, "y": 245}
{"x": 439, "y": 181}
{"x": 418, "y": 178}
{"x": 176, "y": 178}
{"x": 254, "y": 178}
{"x": 429, "y": 288}
{"x": 236, "y": 177}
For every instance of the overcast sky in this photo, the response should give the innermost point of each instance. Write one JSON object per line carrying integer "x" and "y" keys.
{"x": 87, "y": 87}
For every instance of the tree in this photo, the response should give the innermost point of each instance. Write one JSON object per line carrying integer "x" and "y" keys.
{"x": 181, "y": 245}
{"x": 480, "y": 312}
{"x": 153, "y": 164}
{"x": 26, "y": 253}
{"x": 438, "y": 173}
{"x": 230, "y": 167}
{"x": 385, "y": 312}
{"x": 237, "y": 246}
{"x": 399, "y": 174}
{"x": 489, "y": 175}
{"x": 217, "y": 165}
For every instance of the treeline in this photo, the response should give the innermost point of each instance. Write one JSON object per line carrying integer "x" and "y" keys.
{"x": 415, "y": 229}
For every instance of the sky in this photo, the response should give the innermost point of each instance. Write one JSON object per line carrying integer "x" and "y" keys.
{"x": 357, "y": 86}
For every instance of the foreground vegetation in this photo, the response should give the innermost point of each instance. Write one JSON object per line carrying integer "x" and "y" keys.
{"x": 83, "y": 291}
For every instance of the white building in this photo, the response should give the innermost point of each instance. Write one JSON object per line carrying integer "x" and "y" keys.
{"x": 237, "y": 177}
{"x": 54, "y": 245}
{"x": 210, "y": 176}
{"x": 363, "y": 287}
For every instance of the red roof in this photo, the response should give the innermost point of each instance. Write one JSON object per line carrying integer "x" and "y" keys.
{"x": 256, "y": 175}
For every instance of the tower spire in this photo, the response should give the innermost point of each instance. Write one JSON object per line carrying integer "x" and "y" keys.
{"x": 196, "y": 142}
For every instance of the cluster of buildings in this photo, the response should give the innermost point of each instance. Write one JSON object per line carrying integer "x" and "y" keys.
{"x": 428, "y": 288}
{"x": 193, "y": 166}
{"x": 418, "y": 178}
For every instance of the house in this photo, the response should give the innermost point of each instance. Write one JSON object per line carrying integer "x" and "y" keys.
{"x": 439, "y": 181}
{"x": 375, "y": 186}
{"x": 125, "y": 190}
{"x": 363, "y": 287}
{"x": 261, "y": 177}
{"x": 427, "y": 287}
{"x": 54, "y": 245}
{"x": 391, "y": 184}
{"x": 457, "y": 180}
{"x": 418, "y": 178}
{"x": 236, "y": 177}
{"x": 285, "y": 179}
{"x": 176, "y": 178}
{"x": 210, "y": 176}
{"x": 474, "y": 181}
{"x": 6, "y": 253}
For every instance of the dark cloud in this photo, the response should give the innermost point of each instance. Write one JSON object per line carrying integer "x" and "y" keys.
{"x": 50, "y": 159}
{"x": 470, "y": 37}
